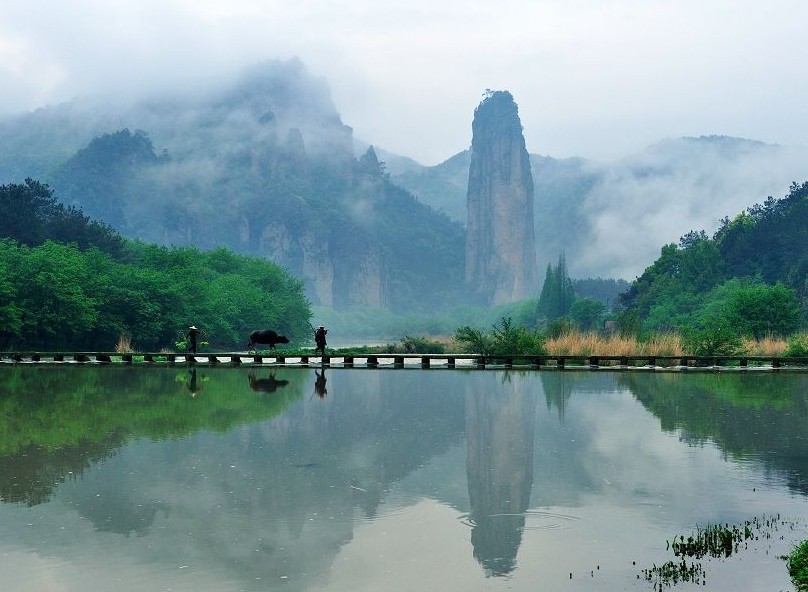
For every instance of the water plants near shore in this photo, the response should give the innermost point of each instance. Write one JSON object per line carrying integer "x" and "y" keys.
{"x": 720, "y": 541}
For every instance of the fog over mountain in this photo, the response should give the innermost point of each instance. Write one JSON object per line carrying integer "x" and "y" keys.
{"x": 597, "y": 79}
{"x": 221, "y": 148}
{"x": 612, "y": 218}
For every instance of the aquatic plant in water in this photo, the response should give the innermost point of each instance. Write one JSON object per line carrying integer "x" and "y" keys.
{"x": 717, "y": 541}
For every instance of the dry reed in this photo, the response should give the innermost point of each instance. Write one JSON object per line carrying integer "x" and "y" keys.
{"x": 767, "y": 346}
{"x": 594, "y": 344}
{"x": 664, "y": 344}
{"x": 124, "y": 345}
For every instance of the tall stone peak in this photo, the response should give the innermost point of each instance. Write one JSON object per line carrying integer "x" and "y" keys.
{"x": 500, "y": 239}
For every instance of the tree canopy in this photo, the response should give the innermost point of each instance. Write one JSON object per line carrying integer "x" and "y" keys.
{"x": 67, "y": 282}
{"x": 751, "y": 275}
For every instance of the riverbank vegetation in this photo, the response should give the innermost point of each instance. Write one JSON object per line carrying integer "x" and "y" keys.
{"x": 798, "y": 566}
{"x": 506, "y": 338}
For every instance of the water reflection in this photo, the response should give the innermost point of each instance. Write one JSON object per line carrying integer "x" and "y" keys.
{"x": 499, "y": 442}
{"x": 752, "y": 417}
{"x": 269, "y": 384}
{"x": 194, "y": 384}
{"x": 232, "y": 491}
{"x": 319, "y": 383}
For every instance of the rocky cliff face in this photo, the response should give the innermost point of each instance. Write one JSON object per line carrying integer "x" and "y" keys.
{"x": 500, "y": 240}
{"x": 266, "y": 168}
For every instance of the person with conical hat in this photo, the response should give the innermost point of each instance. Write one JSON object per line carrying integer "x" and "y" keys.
{"x": 193, "y": 334}
{"x": 319, "y": 339}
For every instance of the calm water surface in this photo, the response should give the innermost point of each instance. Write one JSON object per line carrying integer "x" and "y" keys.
{"x": 148, "y": 479}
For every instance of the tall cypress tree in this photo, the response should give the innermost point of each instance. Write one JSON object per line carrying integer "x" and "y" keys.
{"x": 557, "y": 294}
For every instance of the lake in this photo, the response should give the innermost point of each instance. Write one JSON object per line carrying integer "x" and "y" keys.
{"x": 228, "y": 479}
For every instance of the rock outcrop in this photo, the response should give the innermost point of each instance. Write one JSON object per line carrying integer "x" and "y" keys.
{"x": 266, "y": 168}
{"x": 500, "y": 239}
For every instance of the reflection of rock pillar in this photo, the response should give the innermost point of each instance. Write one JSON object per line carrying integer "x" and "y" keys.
{"x": 499, "y": 465}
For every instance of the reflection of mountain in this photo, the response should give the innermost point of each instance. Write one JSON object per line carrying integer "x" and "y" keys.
{"x": 499, "y": 435}
{"x": 59, "y": 421}
{"x": 748, "y": 415}
{"x": 279, "y": 496}
{"x": 244, "y": 494}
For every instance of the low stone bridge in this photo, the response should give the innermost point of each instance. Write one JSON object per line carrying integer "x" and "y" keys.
{"x": 426, "y": 361}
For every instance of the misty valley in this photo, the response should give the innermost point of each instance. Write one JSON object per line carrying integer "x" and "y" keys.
{"x": 243, "y": 217}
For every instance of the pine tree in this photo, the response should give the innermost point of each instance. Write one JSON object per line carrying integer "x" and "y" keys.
{"x": 557, "y": 294}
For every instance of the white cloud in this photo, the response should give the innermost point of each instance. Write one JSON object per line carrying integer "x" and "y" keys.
{"x": 592, "y": 78}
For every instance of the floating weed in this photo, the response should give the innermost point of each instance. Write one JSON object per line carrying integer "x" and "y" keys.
{"x": 715, "y": 541}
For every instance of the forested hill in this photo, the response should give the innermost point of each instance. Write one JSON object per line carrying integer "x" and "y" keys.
{"x": 752, "y": 274}
{"x": 68, "y": 282}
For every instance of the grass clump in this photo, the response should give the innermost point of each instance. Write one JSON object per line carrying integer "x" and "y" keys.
{"x": 124, "y": 345}
{"x": 798, "y": 566}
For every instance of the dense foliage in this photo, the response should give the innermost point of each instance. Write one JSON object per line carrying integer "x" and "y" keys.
{"x": 31, "y": 214}
{"x": 57, "y": 296}
{"x": 577, "y": 304}
{"x": 798, "y": 566}
{"x": 750, "y": 278}
{"x": 88, "y": 287}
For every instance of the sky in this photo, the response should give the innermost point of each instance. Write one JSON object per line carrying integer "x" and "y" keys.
{"x": 599, "y": 79}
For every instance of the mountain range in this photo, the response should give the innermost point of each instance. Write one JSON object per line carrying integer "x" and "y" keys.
{"x": 267, "y": 167}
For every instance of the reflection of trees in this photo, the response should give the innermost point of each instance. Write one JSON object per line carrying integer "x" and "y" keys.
{"x": 499, "y": 434}
{"x": 557, "y": 388}
{"x": 281, "y": 495}
{"x": 58, "y": 421}
{"x": 30, "y": 475}
{"x": 746, "y": 414}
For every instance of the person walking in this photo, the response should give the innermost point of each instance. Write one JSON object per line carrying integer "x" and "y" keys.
{"x": 193, "y": 336}
{"x": 319, "y": 339}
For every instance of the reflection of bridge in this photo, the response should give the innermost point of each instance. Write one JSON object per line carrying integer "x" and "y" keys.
{"x": 467, "y": 361}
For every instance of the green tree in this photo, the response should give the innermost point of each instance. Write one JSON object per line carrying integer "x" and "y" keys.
{"x": 56, "y": 306}
{"x": 56, "y": 296}
{"x": 31, "y": 214}
{"x": 587, "y": 314}
{"x": 713, "y": 337}
{"x": 557, "y": 294}
{"x": 10, "y": 309}
{"x": 758, "y": 310}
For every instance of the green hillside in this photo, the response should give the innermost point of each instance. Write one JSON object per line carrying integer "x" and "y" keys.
{"x": 68, "y": 282}
{"x": 751, "y": 276}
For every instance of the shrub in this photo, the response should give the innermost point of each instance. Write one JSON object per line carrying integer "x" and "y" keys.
{"x": 797, "y": 346}
{"x": 560, "y": 327}
{"x": 473, "y": 340}
{"x": 505, "y": 339}
{"x": 712, "y": 339}
{"x": 421, "y": 345}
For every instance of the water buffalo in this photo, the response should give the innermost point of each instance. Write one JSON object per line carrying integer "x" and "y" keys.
{"x": 269, "y": 337}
